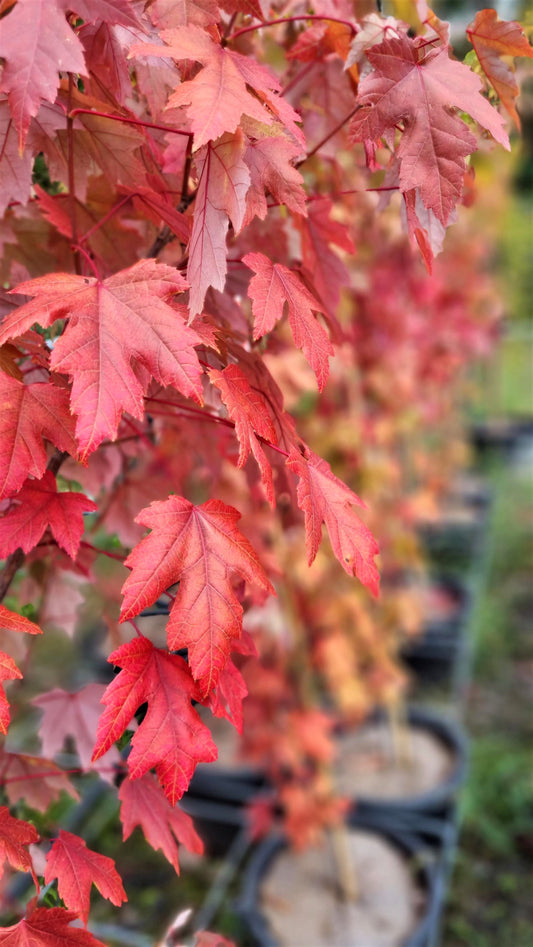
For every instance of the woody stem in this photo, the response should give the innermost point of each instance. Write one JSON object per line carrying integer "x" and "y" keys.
{"x": 72, "y": 182}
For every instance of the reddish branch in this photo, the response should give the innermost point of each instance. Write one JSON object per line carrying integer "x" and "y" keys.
{"x": 13, "y": 564}
{"x": 329, "y": 135}
{"x": 101, "y": 223}
{"x": 102, "y": 552}
{"x": 206, "y": 416}
{"x": 71, "y": 181}
{"x": 129, "y": 121}
{"x": 293, "y": 19}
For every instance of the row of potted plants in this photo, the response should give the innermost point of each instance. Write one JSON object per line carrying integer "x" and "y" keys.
{"x": 401, "y": 779}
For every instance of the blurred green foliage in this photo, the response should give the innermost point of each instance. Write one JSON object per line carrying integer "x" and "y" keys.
{"x": 490, "y": 900}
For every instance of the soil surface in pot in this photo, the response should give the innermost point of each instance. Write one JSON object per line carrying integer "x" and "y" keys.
{"x": 367, "y": 764}
{"x": 300, "y": 896}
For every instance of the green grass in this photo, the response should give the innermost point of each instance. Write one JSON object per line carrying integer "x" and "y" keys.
{"x": 503, "y": 386}
{"x": 505, "y": 383}
{"x": 515, "y": 249}
{"x": 490, "y": 898}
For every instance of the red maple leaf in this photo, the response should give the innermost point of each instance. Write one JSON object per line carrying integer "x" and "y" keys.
{"x": 168, "y": 13}
{"x": 272, "y": 287}
{"x": 225, "y": 700}
{"x": 15, "y": 835}
{"x": 269, "y": 160}
{"x": 223, "y": 180}
{"x": 158, "y": 207}
{"x": 28, "y": 414}
{"x": 256, "y": 8}
{"x": 76, "y": 868}
{"x": 76, "y": 715}
{"x": 47, "y": 927}
{"x": 8, "y": 672}
{"x": 171, "y": 738}
{"x": 15, "y": 168}
{"x": 418, "y": 86}
{"x": 320, "y": 264}
{"x": 424, "y": 226}
{"x": 258, "y": 376}
{"x": 34, "y": 779}
{"x": 144, "y": 804}
{"x": 211, "y": 939}
{"x": 62, "y": 594}
{"x": 326, "y": 499}
{"x": 119, "y": 12}
{"x": 39, "y": 505}
{"x": 12, "y": 621}
{"x": 201, "y": 547}
{"x": 112, "y": 323}
{"x": 493, "y": 39}
{"x": 248, "y": 409}
{"x": 31, "y": 71}
{"x": 8, "y": 669}
{"x": 217, "y": 97}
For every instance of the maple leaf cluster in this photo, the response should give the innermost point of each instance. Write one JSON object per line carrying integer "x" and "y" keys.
{"x": 193, "y": 198}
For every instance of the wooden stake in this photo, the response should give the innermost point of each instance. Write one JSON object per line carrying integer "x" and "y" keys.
{"x": 399, "y": 729}
{"x": 344, "y": 863}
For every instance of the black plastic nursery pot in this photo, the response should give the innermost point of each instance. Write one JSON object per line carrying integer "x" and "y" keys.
{"x": 454, "y": 544}
{"x": 429, "y": 858}
{"x": 456, "y": 592}
{"x": 217, "y": 823}
{"x": 434, "y": 657}
{"x": 438, "y": 801}
{"x": 434, "y": 653}
{"x": 500, "y": 437}
{"x": 235, "y": 786}
{"x": 472, "y": 490}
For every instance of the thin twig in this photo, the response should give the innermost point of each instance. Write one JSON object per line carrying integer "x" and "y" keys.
{"x": 329, "y": 194}
{"x": 166, "y": 235}
{"x": 292, "y": 19}
{"x": 136, "y": 628}
{"x": 129, "y": 121}
{"x": 328, "y": 136}
{"x": 102, "y": 552}
{"x": 88, "y": 258}
{"x": 105, "y": 218}
{"x": 296, "y": 79}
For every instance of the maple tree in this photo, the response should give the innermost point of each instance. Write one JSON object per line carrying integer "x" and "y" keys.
{"x": 180, "y": 182}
